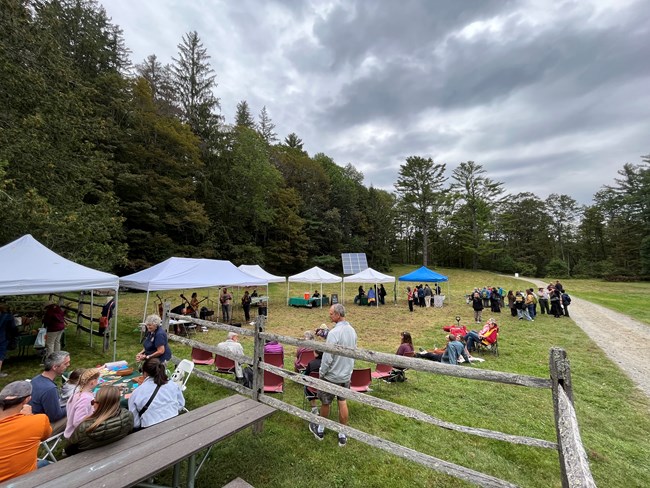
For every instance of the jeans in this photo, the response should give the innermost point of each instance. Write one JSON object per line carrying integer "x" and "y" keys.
{"x": 226, "y": 312}
{"x": 522, "y": 313}
{"x": 471, "y": 338}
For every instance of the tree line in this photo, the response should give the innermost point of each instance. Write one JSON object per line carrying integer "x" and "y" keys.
{"x": 120, "y": 166}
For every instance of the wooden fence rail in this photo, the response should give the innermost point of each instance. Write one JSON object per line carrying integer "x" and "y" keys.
{"x": 574, "y": 464}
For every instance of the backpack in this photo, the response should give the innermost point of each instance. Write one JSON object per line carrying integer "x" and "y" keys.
{"x": 396, "y": 376}
{"x": 484, "y": 294}
{"x": 566, "y": 299}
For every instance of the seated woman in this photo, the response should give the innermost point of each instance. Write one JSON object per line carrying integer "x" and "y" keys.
{"x": 316, "y": 294}
{"x": 308, "y": 335}
{"x": 156, "y": 399}
{"x": 371, "y": 296}
{"x": 487, "y": 333}
{"x": 406, "y": 346}
{"x": 108, "y": 423}
{"x": 80, "y": 404}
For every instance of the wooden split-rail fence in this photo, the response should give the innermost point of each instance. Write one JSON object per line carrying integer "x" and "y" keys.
{"x": 84, "y": 307}
{"x": 574, "y": 465}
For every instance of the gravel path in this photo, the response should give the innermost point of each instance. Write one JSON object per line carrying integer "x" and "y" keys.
{"x": 625, "y": 341}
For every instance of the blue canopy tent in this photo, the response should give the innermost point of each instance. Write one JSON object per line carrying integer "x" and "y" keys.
{"x": 425, "y": 275}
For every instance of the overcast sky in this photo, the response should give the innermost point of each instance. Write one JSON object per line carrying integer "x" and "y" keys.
{"x": 549, "y": 96}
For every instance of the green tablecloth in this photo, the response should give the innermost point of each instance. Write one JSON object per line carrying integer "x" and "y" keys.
{"x": 299, "y": 302}
{"x": 125, "y": 383}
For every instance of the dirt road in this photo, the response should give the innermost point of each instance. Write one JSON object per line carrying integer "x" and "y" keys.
{"x": 625, "y": 341}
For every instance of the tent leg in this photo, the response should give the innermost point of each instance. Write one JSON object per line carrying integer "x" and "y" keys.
{"x": 115, "y": 325}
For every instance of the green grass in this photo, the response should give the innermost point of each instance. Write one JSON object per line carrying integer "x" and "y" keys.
{"x": 614, "y": 417}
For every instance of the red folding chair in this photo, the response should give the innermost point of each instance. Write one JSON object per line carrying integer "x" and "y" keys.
{"x": 200, "y": 356}
{"x": 273, "y": 383}
{"x": 223, "y": 365}
{"x": 381, "y": 371}
{"x": 302, "y": 361}
{"x": 361, "y": 379}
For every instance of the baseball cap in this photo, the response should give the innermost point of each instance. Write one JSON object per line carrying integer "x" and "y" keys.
{"x": 17, "y": 389}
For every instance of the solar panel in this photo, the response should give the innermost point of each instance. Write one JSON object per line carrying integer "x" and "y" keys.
{"x": 354, "y": 262}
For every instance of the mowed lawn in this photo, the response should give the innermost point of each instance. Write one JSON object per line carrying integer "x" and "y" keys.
{"x": 614, "y": 417}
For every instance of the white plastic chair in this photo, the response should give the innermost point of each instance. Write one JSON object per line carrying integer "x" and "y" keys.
{"x": 49, "y": 445}
{"x": 182, "y": 373}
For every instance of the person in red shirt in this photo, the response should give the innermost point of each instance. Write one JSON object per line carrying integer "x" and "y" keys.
{"x": 20, "y": 430}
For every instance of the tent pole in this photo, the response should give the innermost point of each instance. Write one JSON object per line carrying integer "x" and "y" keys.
{"x": 92, "y": 306}
{"x": 267, "y": 301}
{"x": 115, "y": 325}
{"x": 321, "y": 294}
{"x": 288, "y": 282}
{"x": 146, "y": 303}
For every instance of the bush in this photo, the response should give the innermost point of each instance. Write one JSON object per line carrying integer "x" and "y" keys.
{"x": 525, "y": 269}
{"x": 505, "y": 264}
{"x": 558, "y": 268}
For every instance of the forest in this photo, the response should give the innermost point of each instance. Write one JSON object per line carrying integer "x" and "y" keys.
{"x": 120, "y": 164}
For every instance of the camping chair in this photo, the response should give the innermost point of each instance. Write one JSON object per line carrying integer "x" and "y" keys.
{"x": 49, "y": 445}
{"x": 302, "y": 362}
{"x": 200, "y": 356}
{"x": 272, "y": 382}
{"x": 361, "y": 379}
{"x": 223, "y": 365}
{"x": 489, "y": 343}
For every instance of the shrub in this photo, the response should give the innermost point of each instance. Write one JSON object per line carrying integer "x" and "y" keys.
{"x": 557, "y": 267}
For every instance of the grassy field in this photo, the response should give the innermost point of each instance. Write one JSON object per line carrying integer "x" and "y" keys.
{"x": 614, "y": 417}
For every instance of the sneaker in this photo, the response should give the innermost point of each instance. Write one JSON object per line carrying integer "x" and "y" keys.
{"x": 314, "y": 410}
{"x": 313, "y": 428}
{"x": 422, "y": 350}
{"x": 342, "y": 441}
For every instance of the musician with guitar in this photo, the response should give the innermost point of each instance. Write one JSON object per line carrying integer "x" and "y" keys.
{"x": 226, "y": 305}
{"x": 192, "y": 307}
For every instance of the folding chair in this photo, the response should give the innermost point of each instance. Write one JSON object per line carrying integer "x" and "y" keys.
{"x": 49, "y": 445}
{"x": 302, "y": 362}
{"x": 309, "y": 389}
{"x": 182, "y": 373}
{"x": 200, "y": 356}
{"x": 223, "y": 365}
{"x": 381, "y": 371}
{"x": 489, "y": 343}
{"x": 272, "y": 382}
{"x": 361, "y": 379}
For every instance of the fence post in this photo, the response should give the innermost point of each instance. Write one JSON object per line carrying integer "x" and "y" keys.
{"x": 574, "y": 464}
{"x": 258, "y": 373}
{"x": 165, "y": 318}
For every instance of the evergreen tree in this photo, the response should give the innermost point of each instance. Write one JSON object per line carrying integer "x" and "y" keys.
{"x": 293, "y": 141}
{"x": 161, "y": 85}
{"x": 195, "y": 83}
{"x": 266, "y": 127}
{"x": 477, "y": 196}
{"x": 243, "y": 116}
{"x": 420, "y": 191}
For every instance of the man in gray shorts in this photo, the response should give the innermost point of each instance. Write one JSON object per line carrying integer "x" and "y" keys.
{"x": 336, "y": 369}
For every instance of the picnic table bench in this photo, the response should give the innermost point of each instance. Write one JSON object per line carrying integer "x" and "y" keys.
{"x": 142, "y": 454}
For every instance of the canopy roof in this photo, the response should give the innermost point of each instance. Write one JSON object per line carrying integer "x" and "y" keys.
{"x": 315, "y": 275}
{"x": 369, "y": 275}
{"x": 258, "y": 272}
{"x": 30, "y": 268}
{"x": 424, "y": 274}
{"x": 180, "y": 273}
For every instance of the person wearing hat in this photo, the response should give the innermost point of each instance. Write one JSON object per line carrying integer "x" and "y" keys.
{"x": 20, "y": 430}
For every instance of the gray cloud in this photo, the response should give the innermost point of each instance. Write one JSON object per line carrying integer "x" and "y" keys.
{"x": 549, "y": 98}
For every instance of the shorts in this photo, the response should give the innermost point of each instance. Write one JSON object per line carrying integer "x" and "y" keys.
{"x": 326, "y": 397}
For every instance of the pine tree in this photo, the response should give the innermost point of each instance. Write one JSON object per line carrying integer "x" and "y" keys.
{"x": 195, "y": 83}
{"x": 160, "y": 82}
{"x": 266, "y": 126}
{"x": 293, "y": 141}
{"x": 243, "y": 116}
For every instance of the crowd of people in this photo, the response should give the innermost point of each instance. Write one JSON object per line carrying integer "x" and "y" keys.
{"x": 421, "y": 295}
{"x": 85, "y": 412}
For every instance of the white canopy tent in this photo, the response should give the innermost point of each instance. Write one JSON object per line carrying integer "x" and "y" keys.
{"x": 30, "y": 268}
{"x": 314, "y": 275}
{"x": 369, "y": 275}
{"x": 181, "y": 273}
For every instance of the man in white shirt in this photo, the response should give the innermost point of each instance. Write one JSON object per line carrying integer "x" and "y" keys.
{"x": 232, "y": 346}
